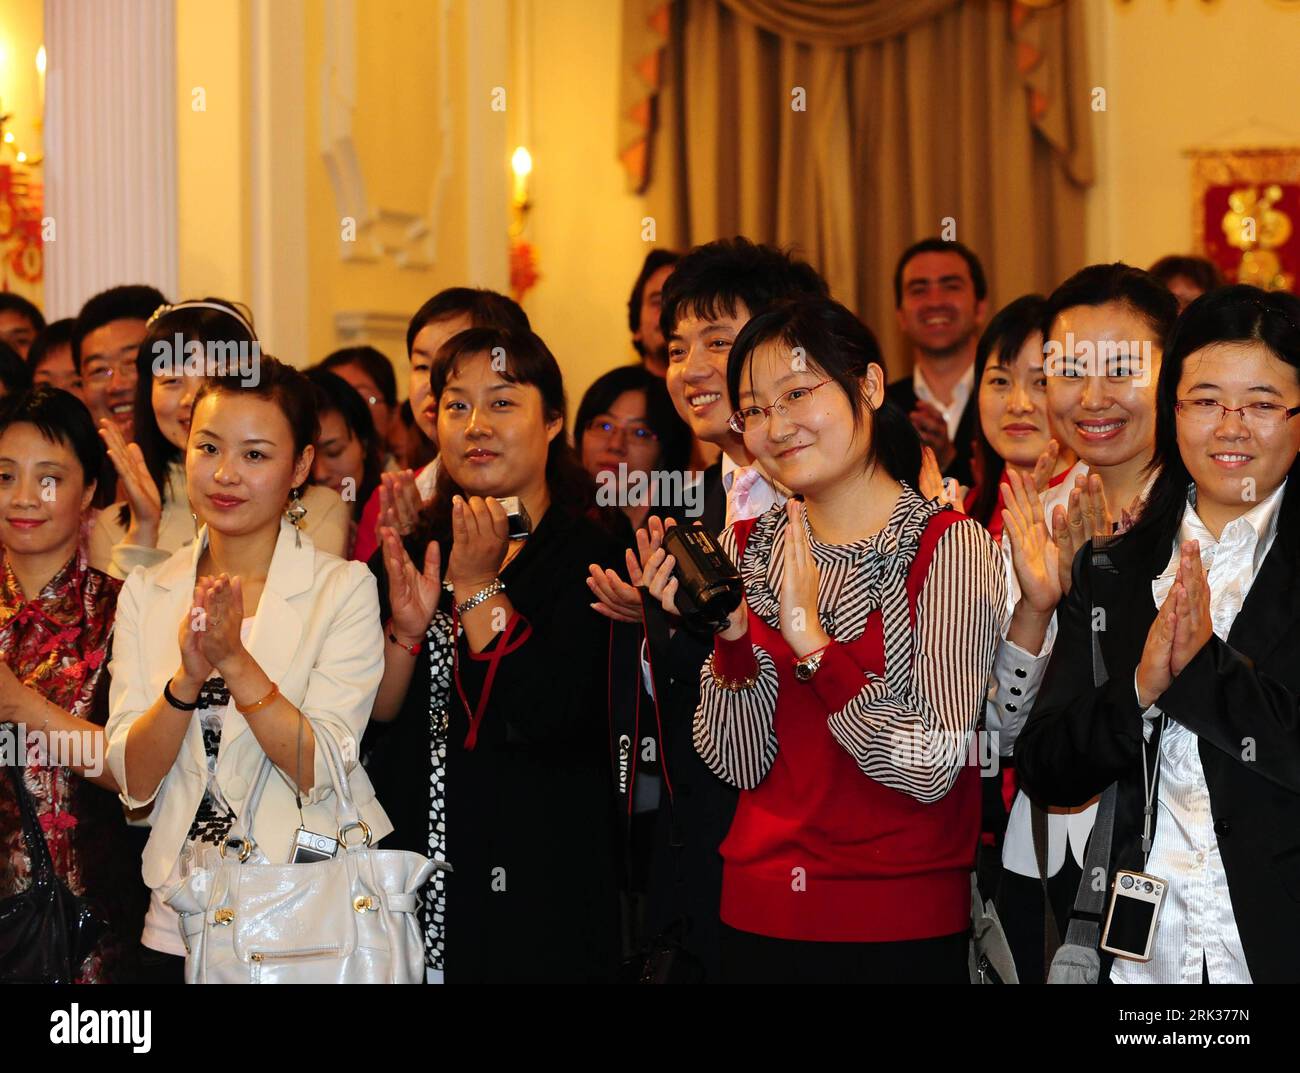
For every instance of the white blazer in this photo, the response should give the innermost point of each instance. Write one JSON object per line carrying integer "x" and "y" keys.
{"x": 316, "y": 635}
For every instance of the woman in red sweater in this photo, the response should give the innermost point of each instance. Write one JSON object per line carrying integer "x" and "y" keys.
{"x": 843, "y": 695}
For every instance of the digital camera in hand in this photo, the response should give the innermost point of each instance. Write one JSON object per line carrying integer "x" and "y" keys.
{"x": 520, "y": 525}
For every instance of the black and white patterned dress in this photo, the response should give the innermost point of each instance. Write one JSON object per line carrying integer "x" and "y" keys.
{"x": 212, "y": 819}
{"x": 441, "y": 642}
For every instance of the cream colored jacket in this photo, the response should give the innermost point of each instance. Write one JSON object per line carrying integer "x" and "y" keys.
{"x": 316, "y": 635}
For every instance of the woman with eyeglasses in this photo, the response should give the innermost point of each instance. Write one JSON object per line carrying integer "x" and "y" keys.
{"x": 1198, "y": 723}
{"x": 632, "y": 442}
{"x": 349, "y": 451}
{"x": 371, "y": 374}
{"x": 637, "y": 449}
{"x": 843, "y": 693}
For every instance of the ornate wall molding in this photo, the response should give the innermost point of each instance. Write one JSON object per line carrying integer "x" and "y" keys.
{"x": 407, "y": 238}
{"x": 358, "y": 327}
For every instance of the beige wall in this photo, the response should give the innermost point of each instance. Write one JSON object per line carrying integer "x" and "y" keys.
{"x": 1179, "y": 76}
{"x": 213, "y": 186}
{"x": 21, "y": 32}
{"x": 257, "y": 197}
{"x": 586, "y": 227}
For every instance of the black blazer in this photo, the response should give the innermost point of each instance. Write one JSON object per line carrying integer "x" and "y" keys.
{"x": 1240, "y": 698}
{"x": 531, "y": 830}
{"x": 901, "y": 393}
{"x": 686, "y": 870}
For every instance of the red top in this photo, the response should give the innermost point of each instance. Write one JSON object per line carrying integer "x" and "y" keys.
{"x": 820, "y": 852}
{"x": 367, "y": 543}
{"x": 994, "y": 525}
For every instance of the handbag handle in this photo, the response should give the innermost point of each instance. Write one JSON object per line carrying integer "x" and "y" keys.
{"x": 345, "y": 810}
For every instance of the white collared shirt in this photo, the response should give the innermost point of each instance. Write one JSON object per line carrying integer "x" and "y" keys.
{"x": 1197, "y": 922}
{"x": 961, "y": 393}
{"x": 427, "y": 479}
{"x": 759, "y": 496}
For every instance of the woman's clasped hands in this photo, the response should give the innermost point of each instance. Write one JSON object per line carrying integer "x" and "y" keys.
{"x": 1181, "y": 628}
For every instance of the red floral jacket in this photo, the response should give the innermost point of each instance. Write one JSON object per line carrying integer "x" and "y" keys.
{"x": 56, "y": 644}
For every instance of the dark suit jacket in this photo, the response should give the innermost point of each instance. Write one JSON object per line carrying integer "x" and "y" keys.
{"x": 531, "y": 806}
{"x": 1241, "y": 698}
{"x": 903, "y": 394}
{"x": 686, "y": 872}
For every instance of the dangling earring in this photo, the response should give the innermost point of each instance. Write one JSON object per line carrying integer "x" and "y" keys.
{"x": 296, "y": 512}
{"x": 196, "y": 524}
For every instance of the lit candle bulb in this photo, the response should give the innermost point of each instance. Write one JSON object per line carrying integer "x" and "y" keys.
{"x": 40, "y": 71}
{"x": 521, "y": 163}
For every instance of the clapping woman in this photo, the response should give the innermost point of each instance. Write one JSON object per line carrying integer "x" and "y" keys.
{"x": 56, "y": 625}
{"x": 1193, "y": 615}
{"x": 842, "y": 695}
{"x": 157, "y": 517}
{"x": 243, "y": 647}
{"x": 495, "y": 673}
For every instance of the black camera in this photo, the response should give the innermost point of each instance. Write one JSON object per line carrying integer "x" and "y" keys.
{"x": 708, "y": 584}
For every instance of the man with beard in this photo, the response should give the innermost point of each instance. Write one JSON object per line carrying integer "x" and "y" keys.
{"x": 940, "y": 301}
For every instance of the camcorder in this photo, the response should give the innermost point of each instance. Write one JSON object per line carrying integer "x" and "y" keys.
{"x": 708, "y": 584}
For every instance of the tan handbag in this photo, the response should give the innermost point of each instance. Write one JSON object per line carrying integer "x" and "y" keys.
{"x": 348, "y": 920}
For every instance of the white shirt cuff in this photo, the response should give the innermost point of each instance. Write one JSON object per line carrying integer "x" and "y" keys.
{"x": 1149, "y": 714}
{"x": 646, "y": 676}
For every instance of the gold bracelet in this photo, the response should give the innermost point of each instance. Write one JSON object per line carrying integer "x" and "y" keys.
{"x": 732, "y": 685}
{"x": 275, "y": 692}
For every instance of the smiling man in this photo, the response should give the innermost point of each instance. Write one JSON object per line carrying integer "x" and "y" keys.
{"x": 711, "y": 295}
{"x": 940, "y": 299}
{"x": 105, "y": 340}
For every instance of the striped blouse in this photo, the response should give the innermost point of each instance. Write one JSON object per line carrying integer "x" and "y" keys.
{"x": 910, "y": 728}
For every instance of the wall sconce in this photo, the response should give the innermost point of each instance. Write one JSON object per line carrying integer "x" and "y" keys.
{"x": 21, "y": 195}
{"x": 521, "y": 164}
{"x": 523, "y": 257}
{"x": 8, "y": 140}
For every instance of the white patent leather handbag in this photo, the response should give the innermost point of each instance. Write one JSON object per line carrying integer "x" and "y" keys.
{"x": 351, "y": 919}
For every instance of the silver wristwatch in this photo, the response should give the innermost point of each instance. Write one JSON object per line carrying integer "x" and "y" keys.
{"x": 805, "y": 668}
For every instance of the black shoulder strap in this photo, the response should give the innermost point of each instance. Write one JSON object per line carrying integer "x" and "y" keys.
{"x": 1090, "y": 901}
